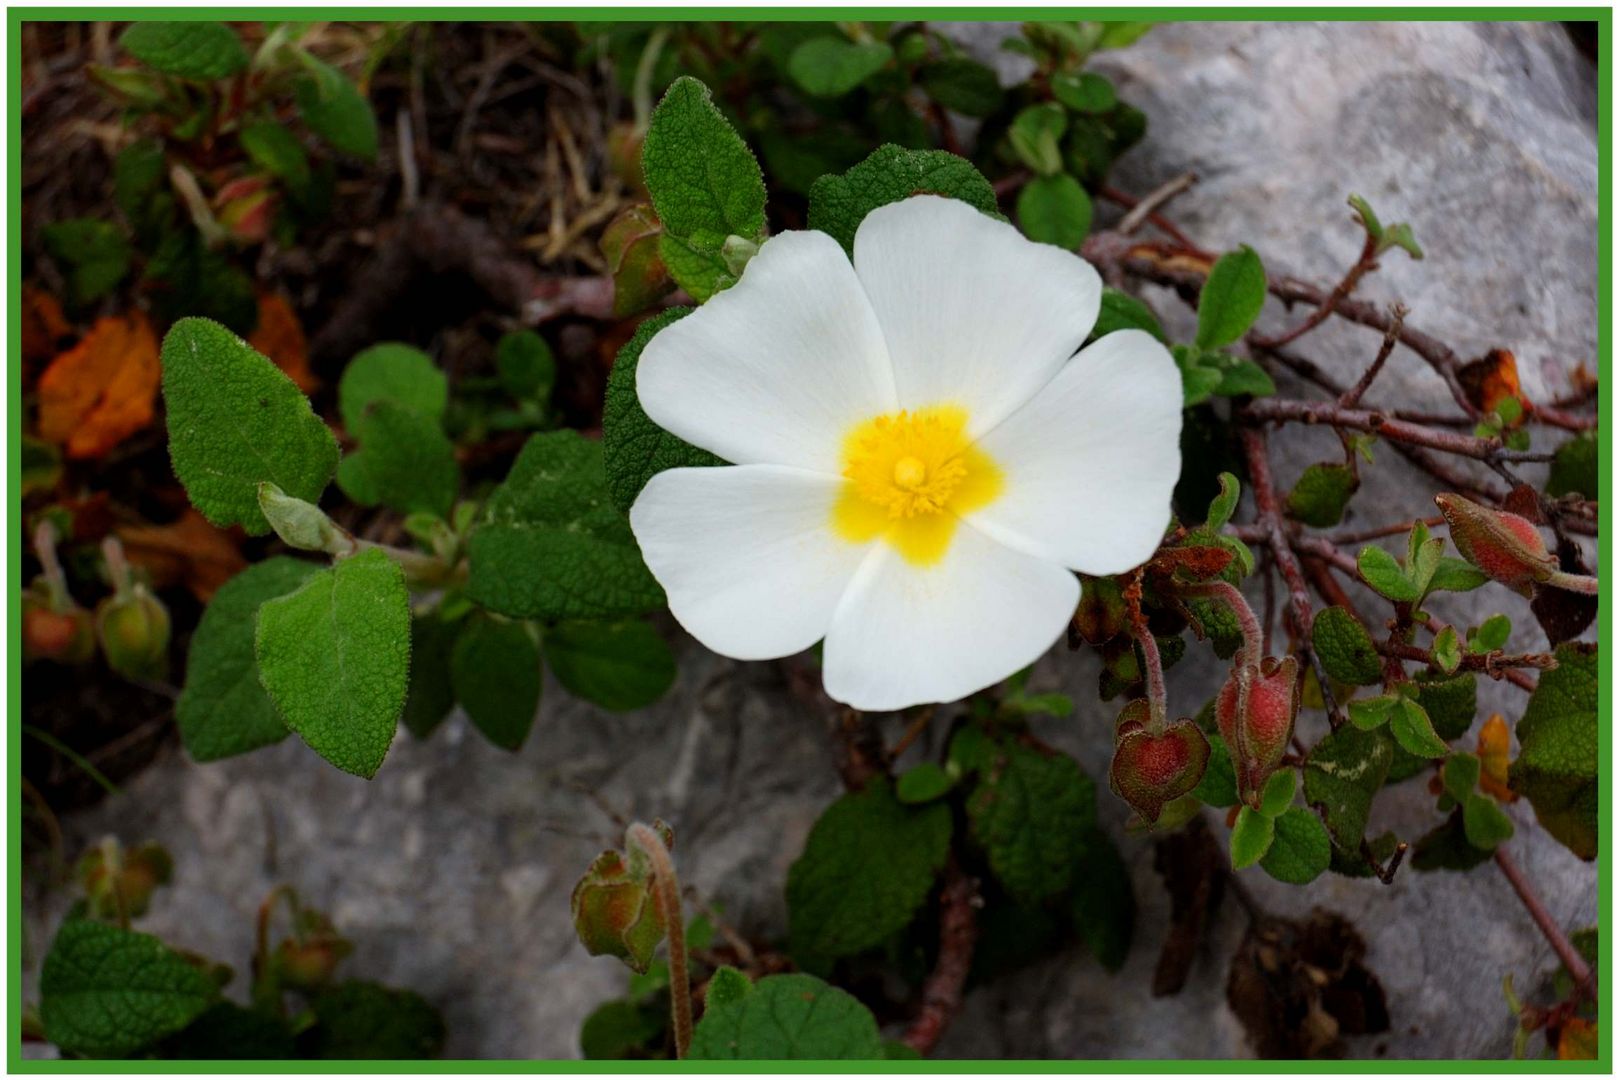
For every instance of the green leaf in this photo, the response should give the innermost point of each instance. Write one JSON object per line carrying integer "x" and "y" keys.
{"x": 1030, "y": 813}
{"x": 867, "y": 868}
{"x": 1239, "y": 376}
{"x": 1251, "y": 837}
{"x": 1450, "y": 702}
{"x": 228, "y": 1032}
{"x": 1231, "y": 299}
{"x": 1321, "y": 494}
{"x": 837, "y": 204}
{"x": 621, "y": 1030}
{"x": 1345, "y": 648}
{"x": 1103, "y": 901}
{"x": 1118, "y": 35}
{"x": 726, "y": 987}
{"x": 1486, "y": 825}
{"x": 788, "y": 1018}
{"x": 1054, "y": 210}
{"x": 552, "y": 546}
{"x": 1120, "y": 311}
{"x": 1446, "y": 848}
{"x": 494, "y": 670}
{"x": 138, "y": 176}
{"x": 1222, "y": 508}
{"x": 191, "y": 50}
{"x": 1493, "y": 634}
{"x": 1344, "y": 771}
{"x": 1412, "y": 727}
{"x": 1301, "y": 850}
{"x": 831, "y": 66}
{"x": 924, "y": 783}
{"x": 1084, "y": 92}
{"x": 1035, "y": 136}
{"x": 1576, "y": 468}
{"x": 636, "y": 449}
{"x": 391, "y": 372}
{"x": 431, "y": 696}
{"x": 404, "y": 461}
{"x": 235, "y": 421}
{"x": 1383, "y": 574}
{"x": 107, "y": 992}
{"x": 1368, "y": 714}
{"x": 1455, "y": 575}
{"x": 1217, "y": 786}
{"x": 334, "y": 109}
{"x": 278, "y": 152}
{"x": 96, "y": 254}
{"x": 223, "y": 711}
{"x": 962, "y": 84}
{"x": 705, "y": 186}
{"x": 364, "y": 1021}
{"x": 617, "y": 665}
{"x": 526, "y": 366}
{"x": 335, "y": 658}
{"x": 1278, "y": 793}
{"x": 1558, "y": 768}
{"x": 188, "y": 279}
{"x": 1446, "y": 650}
{"x": 1367, "y": 216}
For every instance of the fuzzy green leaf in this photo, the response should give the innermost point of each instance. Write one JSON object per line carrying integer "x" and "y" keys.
{"x": 334, "y": 109}
{"x": 95, "y": 253}
{"x": 837, "y": 204}
{"x": 1035, "y": 136}
{"x": 867, "y": 868}
{"x": 1455, "y": 575}
{"x": 726, "y": 987}
{"x": 1558, "y": 768}
{"x": 494, "y": 670}
{"x": 1301, "y": 850}
{"x": 526, "y": 366}
{"x": 1103, "y": 901}
{"x": 235, "y": 420}
{"x": 1251, "y": 837}
{"x": 617, "y": 665}
{"x": 278, "y": 152}
{"x": 1030, "y": 813}
{"x": 1084, "y": 92}
{"x": 1120, "y": 311}
{"x": 1278, "y": 793}
{"x": 1321, "y": 494}
{"x": 431, "y": 695}
{"x": 962, "y": 84}
{"x": 190, "y": 50}
{"x": 705, "y": 186}
{"x": 392, "y": 372}
{"x": 788, "y": 1018}
{"x": 636, "y": 448}
{"x": 335, "y": 658}
{"x": 1576, "y": 467}
{"x": 1386, "y": 577}
{"x": 223, "y": 711}
{"x": 1054, "y": 210}
{"x": 1412, "y": 727}
{"x": 107, "y": 992}
{"x": 1345, "y": 769}
{"x": 1217, "y": 785}
{"x": 1345, "y": 648}
{"x": 829, "y": 67}
{"x": 551, "y": 544}
{"x": 1231, "y": 298}
{"x": 404, "y": 461}
{"x": 924, "y": 783}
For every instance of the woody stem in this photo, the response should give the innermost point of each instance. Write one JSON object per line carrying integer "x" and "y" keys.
{"x": 666, "y": 882}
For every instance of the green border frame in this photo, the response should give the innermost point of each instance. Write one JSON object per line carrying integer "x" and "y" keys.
{"x": 16, "y": 16}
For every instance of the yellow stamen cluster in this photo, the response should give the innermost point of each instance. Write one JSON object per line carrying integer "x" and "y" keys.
{"x": 909, "y": 463}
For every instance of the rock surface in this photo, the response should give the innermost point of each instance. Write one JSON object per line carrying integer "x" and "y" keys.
{"x": 451, "y": 870}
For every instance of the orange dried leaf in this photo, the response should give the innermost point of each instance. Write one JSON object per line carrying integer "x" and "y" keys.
{"x": 279, "y": 336}
{"x": 1579, "y": 1041}
{"x": 1493, "y": 748}
{"x": 43, "y": 324}
{"x": 1492, "y": 379}
{"x": 102, "y": 390}
{"x": 190, "y": 551}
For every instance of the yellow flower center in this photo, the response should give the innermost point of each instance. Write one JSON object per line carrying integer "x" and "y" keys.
{"x": 909, "y": 475}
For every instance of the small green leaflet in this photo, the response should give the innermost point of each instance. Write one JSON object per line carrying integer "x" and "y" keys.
{"x": 923, "y": 783}
{"x": 1030, "y": 813}
{"x": 1231, "y": 298}
{"x": 278, "y": 152}
{"x": 1345, "y": 648}
{"x": 235, "y": 420}
{"x": 494, "y": 670}
{"x": 431, "y": 696}
{"x": 392, "y": 372}
{"x": 223, "y": 711}
{"x": 203, "y": 51}
{"x": 1412, "y": 727}
{"x": 1321, "y": 495}
{"x": 831, "y": 66}
{"x": 1054, "y": 210}
{"x": 551, "y": 544}
{"x": 617, "y": 665}
{"x": 837, "y": 204}
{"x": 404, "y": 461}
{"x": 1558, "y": 768}
{"x": 96, "y": 254}
{"x": 788, "y": 1018}
{"x": 334, "y": 109}
{"x": 962, "y": 84}
{"x": 1251, "y": 837}
{"x": 1300, "y": 850}
{"x": 335, "y": 658}
{"x": 636, "y": 448}
{"x": 107, "y": 992}
{"x": 1344, "y": 771}
{"x": 1035, "y": 136}
{"x": 1383, "y": 574}
{"x": 1120, "y": 311}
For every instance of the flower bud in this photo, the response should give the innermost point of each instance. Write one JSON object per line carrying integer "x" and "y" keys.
{"x": 623, "y": 143}
{"x": 1102, "y": 613}
{"x": 616, "y": 908}
{"x": 120, "y": 884}
{"x": 133, "y": 628}
{"x": 302, "y": 524}
{"x": 1151, "y": 770}
{"x": 1505, "y": 546}
{"x": 308, "y": 959}
{"x": 66, "y": 636}
{"x": 1257, "y": 736}
{"x": 246, "y": 207}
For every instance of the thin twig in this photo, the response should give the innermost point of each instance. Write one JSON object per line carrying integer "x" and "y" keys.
{"x": 1365, "y": 263}
{"x": 1389, "y": 341}
{"x": 1283, "y": 410}
{"x": 1155, "y": 201}
{"x": 1582, "y": 977}
{"x": 957, "y": 941}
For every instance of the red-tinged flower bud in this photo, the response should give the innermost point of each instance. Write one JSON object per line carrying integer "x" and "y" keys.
{"x": 1102, "y": 613}
{"x": 133, "y": 627}
{"x": 120, "y": 884}
{"x": 246, "y": 207}
{"x": 1258, "y": 735}
{"x": 308, "y": 959}
{"x": 623, "y": 143}
{"x": 68, "y": 637}
{"x": 616, "y": 911}
{"x": 1136, "y": 716}
{"x": 1149, "y": 771}
{"x": 1506, "y": 547}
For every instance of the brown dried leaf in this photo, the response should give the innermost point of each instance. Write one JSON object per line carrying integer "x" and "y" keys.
{"x": 279, "y": 336}
{"x": 1491, "y": 380}
{"x": 102, "y": 390}
{"x": 43, "y": 325}
{"x": 1493, "y": 748}
{"x": 190, "y": 551}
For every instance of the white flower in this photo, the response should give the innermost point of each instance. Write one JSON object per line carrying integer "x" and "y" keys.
{"x": 920, "y": 460}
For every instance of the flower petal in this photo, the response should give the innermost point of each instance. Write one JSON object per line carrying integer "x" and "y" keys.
{"x": 1091, "y": 462}
{"x": 746, "y": 554}
{"x": 975, "y": 314}
{"x": 906, "y": 634}
{"x": 777, "y": 368}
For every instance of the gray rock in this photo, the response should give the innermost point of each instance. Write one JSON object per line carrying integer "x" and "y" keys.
{"x": 452, "y": 869}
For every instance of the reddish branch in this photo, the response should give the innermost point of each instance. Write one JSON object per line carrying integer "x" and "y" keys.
{"x": 1366, "y": 262}
{"x": 1493, "y": 664}
{"x": 1155, "y": 217}
{"x": 957, "y": 941}
{"x": 1281, "y": 410}
{"x": 1582, "y": 977}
